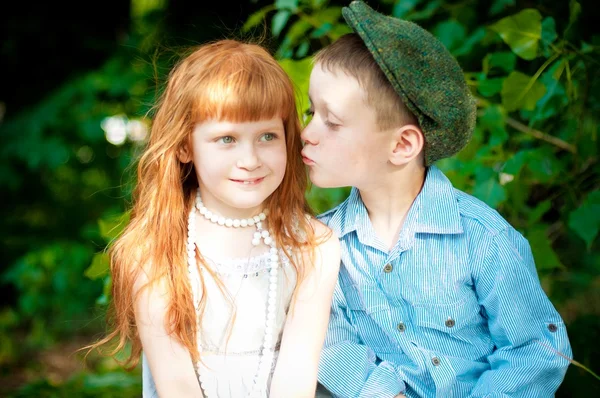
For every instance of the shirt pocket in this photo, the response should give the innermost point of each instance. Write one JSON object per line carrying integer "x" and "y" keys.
{"x": 368, "y": 311}
{"x": 448, "y": 318}
{"x": 456, "y": 329}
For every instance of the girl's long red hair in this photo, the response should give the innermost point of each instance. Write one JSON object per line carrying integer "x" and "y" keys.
{"x": 225, "y": 80}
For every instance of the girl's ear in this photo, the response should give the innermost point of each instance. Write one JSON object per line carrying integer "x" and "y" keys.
{"x": 184, "y": 154}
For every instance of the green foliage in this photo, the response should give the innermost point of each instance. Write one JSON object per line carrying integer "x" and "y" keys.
{"x": 534, "y": 157}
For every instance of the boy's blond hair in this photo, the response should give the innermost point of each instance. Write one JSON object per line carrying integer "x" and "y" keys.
{"x": 349, "y": 54}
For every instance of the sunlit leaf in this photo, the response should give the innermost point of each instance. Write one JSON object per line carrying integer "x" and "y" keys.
{"x": 112, "y": 227}
{"x": 99, "y": 267}
{"x": 519, "y": 91}
{"x": 522, "y": 32}
{"x": 256, "y": 18}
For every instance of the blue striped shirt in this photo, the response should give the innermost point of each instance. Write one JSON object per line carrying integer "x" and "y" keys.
{"x": 454, "y": 309}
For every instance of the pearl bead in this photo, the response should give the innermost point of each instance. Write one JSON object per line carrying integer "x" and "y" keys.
{"x": 265, "y": 359}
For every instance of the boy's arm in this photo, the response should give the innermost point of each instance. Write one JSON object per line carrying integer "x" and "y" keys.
{"x": 530, "y": 337}
{"x": 349, "y": 368}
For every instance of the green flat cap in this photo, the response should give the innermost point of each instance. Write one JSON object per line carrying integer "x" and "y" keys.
{"x": 427, "y": 77}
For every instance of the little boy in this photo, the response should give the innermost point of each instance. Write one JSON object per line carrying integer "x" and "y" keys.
{"x": 438, "y": 295}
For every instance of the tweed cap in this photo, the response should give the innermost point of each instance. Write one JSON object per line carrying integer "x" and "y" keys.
{"x": 425, "y": 75}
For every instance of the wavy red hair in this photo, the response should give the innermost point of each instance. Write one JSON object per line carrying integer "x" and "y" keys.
{"x": 224, "y": 80}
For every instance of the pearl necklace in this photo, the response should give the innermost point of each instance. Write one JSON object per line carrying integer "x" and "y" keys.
{"x": 259, "y": 387}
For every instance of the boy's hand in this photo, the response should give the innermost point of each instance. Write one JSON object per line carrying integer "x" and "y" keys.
{"x": 400, "y": 396}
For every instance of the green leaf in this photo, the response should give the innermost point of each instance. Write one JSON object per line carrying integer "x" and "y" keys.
{"x": 99, "y": 267}
{"x": 490, "y": 87}
{"x": 299, "y": 72}
{"x": 504, "y": 61}
{"x": 585, "y": 220}
{"x": 403, "y": 7}
{"x": 519, "y": 91}
{"x": 488, "y": 188}
{"x": 426, "y": 13}
{"x": 291, "y": 5}
{"x": 321, "y": 30}
{"x": 303, "y": 49}
{"x": 111, "y": 227}
{"x": 500, "y": 5}
{"x": 451, "y": 33}
{"x": 548, "y": 31}
{"x": 256, "y": 18}
{"x": 536, "y": 214}
{"x": 543, "y": 165}
{"x": 522, "y": 32}
{"x": 467, "y": 46}
{"x": 544, "y": 255}
{"x": 574, "y": 11}
{"x": 279, "y": 20}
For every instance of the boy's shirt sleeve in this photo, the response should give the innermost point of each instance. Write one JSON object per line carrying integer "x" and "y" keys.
{"x": 349, "y": 368}
{"x": 532, "y": 347}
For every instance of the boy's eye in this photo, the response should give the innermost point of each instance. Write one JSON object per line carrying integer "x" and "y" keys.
{"x": 226, "y": 140}
{"x": 307, "y": 116}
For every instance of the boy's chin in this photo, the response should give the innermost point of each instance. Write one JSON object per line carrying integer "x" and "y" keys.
{"x": 325, "y": 183}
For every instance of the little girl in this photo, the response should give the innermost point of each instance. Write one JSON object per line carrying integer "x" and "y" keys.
{"x": 221, "y": 277}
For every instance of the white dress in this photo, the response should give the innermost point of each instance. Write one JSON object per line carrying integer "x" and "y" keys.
{"x": 233, "y": 324}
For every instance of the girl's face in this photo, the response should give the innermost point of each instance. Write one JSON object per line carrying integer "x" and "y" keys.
{"x": 239, "y": 165}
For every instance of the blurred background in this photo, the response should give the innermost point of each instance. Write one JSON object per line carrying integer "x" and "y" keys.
{"x": 77, "y": 83}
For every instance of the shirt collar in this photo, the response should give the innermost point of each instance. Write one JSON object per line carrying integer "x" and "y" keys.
{"x": 435, "y": 210}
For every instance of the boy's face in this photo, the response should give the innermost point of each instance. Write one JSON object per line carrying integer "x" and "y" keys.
{"x": 343, "y": 146}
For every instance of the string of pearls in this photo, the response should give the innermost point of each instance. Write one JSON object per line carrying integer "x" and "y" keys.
{"x": 259, "y": 385}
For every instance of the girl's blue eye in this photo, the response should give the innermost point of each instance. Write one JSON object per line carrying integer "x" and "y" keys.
{"x": 226, "y": 140}
{"x": 268, "y": 137}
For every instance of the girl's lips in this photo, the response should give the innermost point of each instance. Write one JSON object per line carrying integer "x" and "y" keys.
{"x": 252, "y": 181}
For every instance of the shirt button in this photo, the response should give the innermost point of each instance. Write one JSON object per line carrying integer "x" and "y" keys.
{"x": 449, "y": 322}
{"x": 388, "y": 268}
{"x": 401, "y": 327}
{"x": 435, "y": 361}
{"x": 552, "y": 327}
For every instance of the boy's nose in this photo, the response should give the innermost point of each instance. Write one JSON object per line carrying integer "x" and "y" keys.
{"x": 308, "y": 136}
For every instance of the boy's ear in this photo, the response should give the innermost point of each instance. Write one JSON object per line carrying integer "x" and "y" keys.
{"x": 407, "y": 144}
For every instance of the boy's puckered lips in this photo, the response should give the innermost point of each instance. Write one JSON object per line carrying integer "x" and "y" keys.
{"x": 308, "y": 161}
